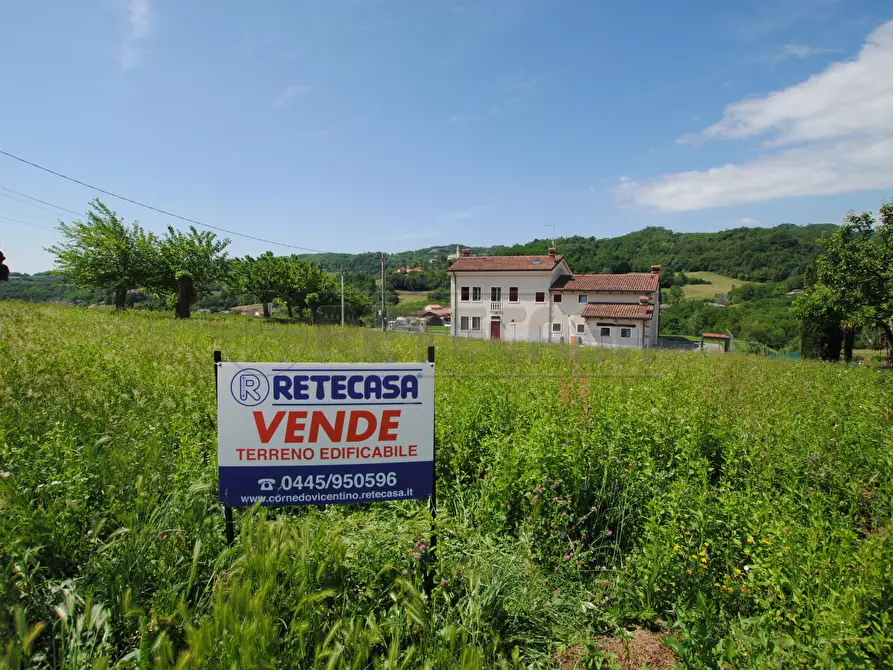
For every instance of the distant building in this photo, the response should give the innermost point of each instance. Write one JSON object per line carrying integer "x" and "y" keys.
{"x": 538, "y": 298}
{"x": 406, "y": 271}
{"x": 452, "y": 257}
{"x": 715, "y": 342}
{"x": 435, "y": 315}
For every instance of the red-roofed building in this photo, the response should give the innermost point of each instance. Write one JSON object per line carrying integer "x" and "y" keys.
{"x": 538, "y": 298}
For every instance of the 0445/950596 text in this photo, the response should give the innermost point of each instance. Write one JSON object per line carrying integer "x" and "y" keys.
{"x": 337, "y": 481}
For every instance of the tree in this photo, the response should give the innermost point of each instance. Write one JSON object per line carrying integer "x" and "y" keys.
{"x": 260, "y": 277}
{"x": 103, "y": 253}
{"x": 187, "y": 263}
{"x": 4, "y": 271}
{"x": 675, "y": 295}
{"x": 853, "y": 286}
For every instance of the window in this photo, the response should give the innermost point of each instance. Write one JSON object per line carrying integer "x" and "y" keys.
{"x": 463, "y": 294}
{"x": 463, "y": 323}
{"x": 540, "y": 296}
{"x": 626, "y": 332}
{"x": 556, "y": 327}
{"x": 495, "y": 293}
{"x": 581, "y": 328}
{"x": 604, "y": 332}
{"x": 582, "y": 299}
{"x": 475, "y": 294}
{"x": 513, "y": 294}
{"x": 475, "y": 323}
{"x": 556, "y": 297}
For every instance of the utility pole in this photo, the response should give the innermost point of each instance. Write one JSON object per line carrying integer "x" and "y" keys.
{"x": 552, "y": 226}
{"x": 342, "y": 295}
{"x": 384, "y": 318}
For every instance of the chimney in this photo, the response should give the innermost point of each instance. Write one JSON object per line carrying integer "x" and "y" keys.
{"x": 644, "y": 300}
{"x": 552, "y": 251}
{"x": 466, "y": 252}
{"x": 655, "y": 269}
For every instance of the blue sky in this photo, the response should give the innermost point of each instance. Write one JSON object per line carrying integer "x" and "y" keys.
{"x": 355, "y": 125}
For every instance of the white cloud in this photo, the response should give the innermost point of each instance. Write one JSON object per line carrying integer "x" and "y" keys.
{"x": 841, "y": 118}
{"x": 289, "y": 93}
{"x": 746, "y": 221}
{"x": 470, "y": 212}
{"x": 790, "y": 51}
{"x": 849, "y": 97}
{"x": 842, "y": 167}
{"x": 140, "y": 27}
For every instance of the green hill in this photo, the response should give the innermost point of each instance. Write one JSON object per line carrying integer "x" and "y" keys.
{"x": 750, "y": 254}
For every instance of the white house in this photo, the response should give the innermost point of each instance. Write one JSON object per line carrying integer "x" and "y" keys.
{"x": 538, "y": 298}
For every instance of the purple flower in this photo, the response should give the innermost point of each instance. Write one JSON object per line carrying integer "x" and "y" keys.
{"x": 564, "y": 514}
{"x": 443, "y": 582}
{"x": 538, "y": 489}
{"x": 608, "y": 532}
{"x": 567, "y": 557}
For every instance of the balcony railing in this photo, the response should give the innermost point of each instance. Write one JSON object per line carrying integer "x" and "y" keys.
{"x": 496, "y": 305}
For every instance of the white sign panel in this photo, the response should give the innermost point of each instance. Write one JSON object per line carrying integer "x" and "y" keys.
{"x": 315, "y": 433}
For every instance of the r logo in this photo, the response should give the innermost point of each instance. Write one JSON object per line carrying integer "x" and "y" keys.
{"x": 250, "y": 387}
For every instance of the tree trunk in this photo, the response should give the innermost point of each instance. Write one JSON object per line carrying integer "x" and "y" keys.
{"x": 266, "y": 308}
{"x": 120, "y": 299}
{"x": 832, "y": 342}
{"x": 185, "y": 293}
{"x": 313, "y": 315}
{"x": 290, "y": 311}
{"x": 849, "y": 339}
{"x": 888, "y": 332}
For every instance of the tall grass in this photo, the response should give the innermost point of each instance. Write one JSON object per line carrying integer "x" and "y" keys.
{"x": 743, "y": 503}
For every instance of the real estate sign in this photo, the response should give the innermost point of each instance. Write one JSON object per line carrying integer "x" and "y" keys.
{"x": 312, "y": 434}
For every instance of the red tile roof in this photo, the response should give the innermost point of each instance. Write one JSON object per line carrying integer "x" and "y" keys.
{"x": 716, "y": 336}
{"x": 505, "y": 263}
{"x": 613, "y": 310}
{"x": 632, "y": 282}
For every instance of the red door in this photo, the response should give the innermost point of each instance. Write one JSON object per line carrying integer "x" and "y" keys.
{"x": 494, "y": 330}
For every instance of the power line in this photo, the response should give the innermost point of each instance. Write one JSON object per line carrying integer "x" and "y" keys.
{"x": 64, "y": 209}
{"x": 25, "y": 223}
{"x": 163, "y": 211}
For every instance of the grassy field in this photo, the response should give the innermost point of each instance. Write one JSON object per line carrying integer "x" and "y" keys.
{"x": 740, "y": 503}
{"x": 412, "y": 296}
{"x": 718, "y": 284}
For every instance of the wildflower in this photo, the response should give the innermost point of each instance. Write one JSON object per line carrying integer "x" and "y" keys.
{"x": 502, "y": 517}
{"x": 676, "y": 547}
{"x": 694, "y": 556}
{"x": 538, "y": 489}
{"x": 509, "y": 506}
{"x": 747, "y": 551}
{"x": 567, "y": 558}
{"x": 737, "y": 571}
{"x": 765, "y": 523}
{"x": 688, "y": 572}
{"x": 608, "y": 532}
{"x": 709, "y": 516}
{"x": 703, "y": 553}
{"x": 530, "y": 518}
{"x": 592, "y": 509}
{"x": 707, "y": 544}
{"x": 564, "y": 514}
{"x": 443, "y": 582}
{"x": 557, "y": 591}
{"x": 750, "y": 540}
{"x": 405, "y": 572}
